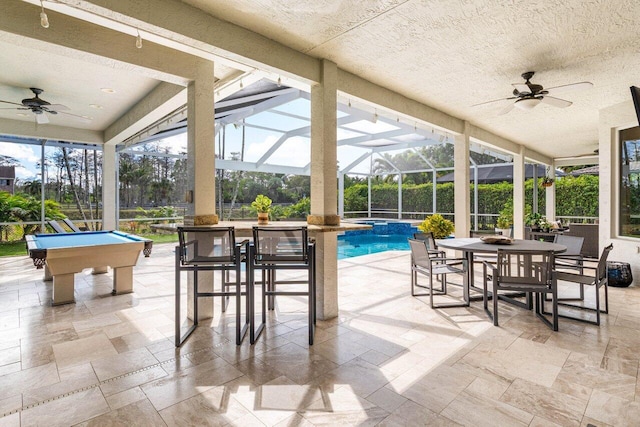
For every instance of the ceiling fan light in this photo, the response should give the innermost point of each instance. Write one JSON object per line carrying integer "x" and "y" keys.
{"x": 44, "y": 19}
{"x": 527, "y": 103}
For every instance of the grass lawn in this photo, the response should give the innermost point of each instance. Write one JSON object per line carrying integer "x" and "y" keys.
{"x": 13, "y": 248}
{"x": 20, "y": 247}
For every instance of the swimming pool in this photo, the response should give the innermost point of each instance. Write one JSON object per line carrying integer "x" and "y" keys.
{"x": 384, "y": 236}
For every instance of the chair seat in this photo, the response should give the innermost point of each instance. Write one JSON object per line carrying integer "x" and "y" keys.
{"x": 576, "y": 278}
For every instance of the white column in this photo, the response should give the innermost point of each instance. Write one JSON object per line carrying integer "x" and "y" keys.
{"x": 518, "y": 194}
{"x": 461, "y": 176}
{"x": 324, "y": 168}
{"x": 109, "y": 187}
{"x": 400, "y": 196}
{"x": 550, "y": 195}
{"x": 201, "y": 167}
{"x": 341, "y": 195}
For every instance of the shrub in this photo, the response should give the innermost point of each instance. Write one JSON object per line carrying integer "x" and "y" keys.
{"x": 438, "y": 225}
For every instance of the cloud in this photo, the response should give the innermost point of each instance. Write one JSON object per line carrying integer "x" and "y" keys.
{"x": 294, "y": 152}
{"x": 23, "y": 173}
{"x": 20, "y": 152}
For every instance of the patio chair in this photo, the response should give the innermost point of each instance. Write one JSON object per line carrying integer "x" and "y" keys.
{"x": 210, "y": 249}
{"x": 71, "y": 225}
{"x": 430, "y": 241}
{"x": 425, "y": 263}
{"x": 589, "y": 276}
{"x": 281, "y": 248}
{"x": 55, "y": 225}
{"x": 522, "y": 271}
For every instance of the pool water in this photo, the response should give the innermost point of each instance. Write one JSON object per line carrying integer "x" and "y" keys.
{"x": 351, "y": 246}
{"x": 383, "y": 236}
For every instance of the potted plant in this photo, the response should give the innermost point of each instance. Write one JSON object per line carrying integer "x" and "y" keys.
{"x": 436, "y": 224}
{"x": 547, "y": 182}
{"x": 534, "y": 220}
{"x": 505, "y": 219}
{"x": 503, "y": 224}
{"x": 262, "y": 205}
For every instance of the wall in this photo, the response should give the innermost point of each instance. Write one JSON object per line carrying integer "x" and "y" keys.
{"x": 612, "y": 120}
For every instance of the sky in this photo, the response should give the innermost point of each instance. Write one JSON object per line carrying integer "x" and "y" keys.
{"x": 295, "y": 151}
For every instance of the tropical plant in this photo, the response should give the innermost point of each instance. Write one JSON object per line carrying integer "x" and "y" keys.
{"x": 262, "y": 204}
{"x": 436, "y": 224}
{"x": 534, "y": 220}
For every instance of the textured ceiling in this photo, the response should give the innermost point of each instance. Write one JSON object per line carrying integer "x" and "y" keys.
{"x": 70, "y": 82}
{"x": 452, "y": 55}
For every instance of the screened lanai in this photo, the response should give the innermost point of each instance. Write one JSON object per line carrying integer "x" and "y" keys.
{"x": 368, "y": 140}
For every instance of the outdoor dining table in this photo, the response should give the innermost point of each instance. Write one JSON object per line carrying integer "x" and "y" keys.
{"x": 470, "y": 246}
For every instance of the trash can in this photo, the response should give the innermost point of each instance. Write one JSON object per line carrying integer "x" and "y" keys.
{"x": 619, "y": 274}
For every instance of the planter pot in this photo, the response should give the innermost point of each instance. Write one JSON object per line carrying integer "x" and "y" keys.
{"x": 505, "y": 231}
{"x": 263, "y": 218}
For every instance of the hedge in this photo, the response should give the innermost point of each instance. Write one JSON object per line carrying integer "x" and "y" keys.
{"x": 575, "y": 196}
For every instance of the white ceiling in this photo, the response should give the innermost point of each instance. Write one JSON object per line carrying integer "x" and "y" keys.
{"x": 454, "y": 54}
{"x": 447, "y": 54}
{"x": 70, "y": 82}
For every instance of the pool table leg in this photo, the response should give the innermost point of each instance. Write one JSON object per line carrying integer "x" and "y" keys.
{"x": 47, "y": 274}
{"x": 100, "y": 270}
{"x": 122, "y": 280}
{"x": 63, "y": 289}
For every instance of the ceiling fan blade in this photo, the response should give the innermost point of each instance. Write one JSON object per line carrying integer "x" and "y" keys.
{"x": 81, "y": 118}
{"x": 506, "y": 109}
{"x": 57, "y": 107}
{"x": 556, "y": 102}
{"x": 495, "y": 100}
{"x": 521, "y": 87}
{"x": 570, "y": 87}
{"x": 9, "y": 102}
{"x": 42, "y": 119}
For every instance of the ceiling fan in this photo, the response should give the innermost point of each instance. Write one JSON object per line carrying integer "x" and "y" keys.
{"x": 527, "y": 95}
{"x": 39, "y": 107}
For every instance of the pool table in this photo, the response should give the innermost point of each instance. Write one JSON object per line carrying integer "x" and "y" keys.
{"x": 65, "y": 254}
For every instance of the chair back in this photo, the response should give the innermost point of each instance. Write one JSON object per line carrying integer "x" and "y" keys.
{"x": 281, "y": 244}
{"x": 602, "y": 262}
{"x": 428, "y": 240}
{"x": 419, "y": 252}
{"x": 573, "y": 244}
{"x": 208, "y": 245}
{"x": 56, "y": 226}
{"x": 524, "y": 267}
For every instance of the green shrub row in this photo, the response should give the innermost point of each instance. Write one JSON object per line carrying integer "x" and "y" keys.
{"x": 575, "y": 196}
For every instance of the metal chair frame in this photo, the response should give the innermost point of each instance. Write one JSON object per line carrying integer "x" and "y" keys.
{"x": 187, "y": 258}
{"x": 523, "y": 275}
{"x": 280, "y": 248}
{"x": 599, "y": 279}
{"x": 424, "y": 262}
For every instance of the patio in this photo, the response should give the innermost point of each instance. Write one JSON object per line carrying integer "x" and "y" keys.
{"x": 387, "y": 358}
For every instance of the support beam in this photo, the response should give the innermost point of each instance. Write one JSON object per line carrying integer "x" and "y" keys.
{"x": 324, "y": 167}
{"x": 109, "y": 188}
{"x": 461, "y": 184}
{"x": 28, "y": 129}
{"x": 162, "y": 100}
{"x": 518, "y": 194}
{"x": 550, "y": 195}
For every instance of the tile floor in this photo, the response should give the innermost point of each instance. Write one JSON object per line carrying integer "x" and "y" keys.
{"x": 387, "y": 360}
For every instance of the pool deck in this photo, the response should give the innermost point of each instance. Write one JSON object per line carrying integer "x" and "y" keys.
{"x": 387, "y": 359}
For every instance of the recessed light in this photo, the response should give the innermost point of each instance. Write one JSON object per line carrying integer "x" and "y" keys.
{"x": 108, "y": 90}
{"x": 96, "y": 106}
{"x": 21, "y": 114}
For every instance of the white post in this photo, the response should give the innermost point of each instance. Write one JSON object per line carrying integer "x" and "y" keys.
{"x": 434, "y": 195}
{"x": 400, "y": 196}
{"x": 550, "y": 194}
{"x": 518, "y": 194}
{"x": 324, "y": 206}
{"x": 109, "y": 187}
{"x": 369, "y": 196}
{"x": 42, "y": 185}
{"x": 201, "y": 167}
{"x": 461, "y": 183}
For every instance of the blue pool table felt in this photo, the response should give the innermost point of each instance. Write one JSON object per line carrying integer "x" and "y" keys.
{"x": 87, "y": 238}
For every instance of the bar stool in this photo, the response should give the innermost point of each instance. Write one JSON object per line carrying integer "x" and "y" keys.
{"x": 211, "y": 249}
{"x": 280, "y": 248}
